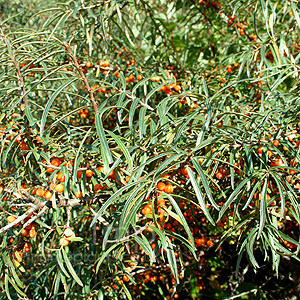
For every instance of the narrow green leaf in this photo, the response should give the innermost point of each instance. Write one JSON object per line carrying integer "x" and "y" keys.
{"x": 70, "y": 268}
{"x": 123, "y": 149}
{"x": 199, "y": 195}
{"x": 102, "y": 138}
{"x": 49, "y": 103}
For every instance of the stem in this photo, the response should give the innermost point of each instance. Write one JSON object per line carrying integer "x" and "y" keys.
{"x": 19, "y": 74}
{"x": 85, "y": 81}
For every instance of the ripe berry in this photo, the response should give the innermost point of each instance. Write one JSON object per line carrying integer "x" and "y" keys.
{"x": 169, "y": 189}
{"x": 59, "y": 188}
{"x": 161, "y": 186}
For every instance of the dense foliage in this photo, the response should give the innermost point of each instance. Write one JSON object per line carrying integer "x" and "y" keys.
{"x": 149, "y": 149}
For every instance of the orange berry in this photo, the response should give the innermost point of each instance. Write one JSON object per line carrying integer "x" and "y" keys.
{"x": 78, "y": 195}
{"x": 88, "y": 64}
{"x": 219, "y": 175}
{"x": 147, "y": 210}
{"x": 10, "y": 219}
{"x": 60, "y": 177}
{"x": 26, "y": 247}
{"x": 52, "y": 186}
{"x": 276, "y": 143}
{"x": 25, "y": 232}
{"x": 177, "y": 87}
{"x": 40, "y": 192}
{"x": 49, "y": 170}
{"x": 169, "y": 189}
{"x": 161, "y": 202}
{"x": 69, "y": 233}
{"x": 59, "y": 188}
{"x": 63, "y": 242}
{"x": 23, "y": 146}
{"x": 97, "y": 187}
{"x": 209, "y": 243}
{"x": 125, "y": 278}
{"x": 161, "y": 186}
{"x": 48, "y": 195}
{"x": 55, "y": 162}
{"x": 89, "y": 173}
{"x": 32, "y": 232}
{"x": 292, "y": 172}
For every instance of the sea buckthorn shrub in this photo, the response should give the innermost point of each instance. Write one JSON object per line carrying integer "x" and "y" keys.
{"x": 149, "y": 150}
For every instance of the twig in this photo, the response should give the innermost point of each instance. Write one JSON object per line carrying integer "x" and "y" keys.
{"x": 130, "y": 236}
{"x": 150, "y": 268}
{"x": 85, "y": 81}
{"x": 242, "y": 294}
{"x": 32, "y": 219}
{"x": 141, "y": 103}
{"x": 37, "y": 202}
{"x": 18, "y": 220}
{"x": 19, "y": 74}
{"x": 59, "y": 168}
{"x": 100, "y": 219}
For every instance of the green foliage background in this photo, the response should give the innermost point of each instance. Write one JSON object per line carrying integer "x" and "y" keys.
{"x": 220, "y": 118}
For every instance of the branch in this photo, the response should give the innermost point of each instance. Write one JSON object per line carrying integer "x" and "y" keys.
{"x": 32, "y": 219}
{"x": 19, "y": 74}
{"x": 100, "y": 219}
{"x": 130, "y": 236}
{"x": 242, "y": 294}
{"x": 79, "y": 69}
{"x": 18, "y": 220}
{"x": 141, "y": 103}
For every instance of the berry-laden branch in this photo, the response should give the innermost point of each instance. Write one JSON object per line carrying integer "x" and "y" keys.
{"x": 18, "y": 220}
{"x": 85, "y": 81}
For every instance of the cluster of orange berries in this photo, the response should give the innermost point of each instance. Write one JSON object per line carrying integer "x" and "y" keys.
{"x": 131, "y": 78}
{"x": 130, "y": 62}
{"x": 28, "y": 232}
{"x": 167, "y": 188}
{"x": 230, "y": 68}
{"x": 221, "y": 173}
{"x": 64, "y": 241}
{"x": 209, "y": 4}
{"x": 83, "y": 113}
{"x": 168, "y": 88}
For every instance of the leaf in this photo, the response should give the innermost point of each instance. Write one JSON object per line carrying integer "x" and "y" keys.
{"x": 70, "y": 268}
{"x": 102, "y": 138}
{"x": 205, "y": 125}
{"x": 144, "y": 243}
{"x": 172, "y": 259}
{"x": 49, "y": 103}
{"x": 204, "y": 182}
{"x": 6, "y": 279}
{"x": 132, "y": 111}
{"x": 61, "y": 264}
{"x": 262, "y": 209}
{"x": 234, "y": 194}
{"x": 104, "y": 255}
{"x": 199, "y": 195}
{"x": 181, "y": 217}
{"x": 123, "y": 149}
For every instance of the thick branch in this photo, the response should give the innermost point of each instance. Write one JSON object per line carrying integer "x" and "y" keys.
{"x": 18, "y": 220}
